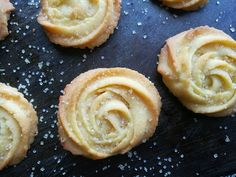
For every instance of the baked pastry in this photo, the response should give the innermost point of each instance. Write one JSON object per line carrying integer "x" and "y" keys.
{"x": 198, "y": 66}
{"x": 82, "y": 24}
{"x": 18, "y": 126}
{"x": 5, "y": 10}
{"x": 105, "y": 112}
{"x": 185, "y": 4}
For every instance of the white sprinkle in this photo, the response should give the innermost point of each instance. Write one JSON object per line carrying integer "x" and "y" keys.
{"x": 227, "y": 140}
{"x": 232, "y": 29}
{"x": 215, "y": 156}
{"x": 139, "y": 23}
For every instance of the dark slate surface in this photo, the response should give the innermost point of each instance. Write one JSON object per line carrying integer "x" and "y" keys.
{"x": 184, "y": 145}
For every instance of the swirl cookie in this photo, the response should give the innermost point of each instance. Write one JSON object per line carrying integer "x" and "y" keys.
{"x": 18, "y": 126}
{"x": 199, "y": 67}
{"x": 187, "y": 5}
{"x": 105, "y": 112}
{"x": 73, "y": 23}
{"x": 5, "y": 10}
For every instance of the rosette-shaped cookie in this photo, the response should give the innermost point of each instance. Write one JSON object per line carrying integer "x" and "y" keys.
{"x": 5, "y": 10}
{"x": 105, "y": 112}
{"x": 18, "y": 126}
{"x": 185, "y": 4}
{"x": 199, "y": 67}
{"x": 76, "y": 23}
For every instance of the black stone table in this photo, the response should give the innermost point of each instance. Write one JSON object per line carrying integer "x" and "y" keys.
{"x": 184, "y": 145}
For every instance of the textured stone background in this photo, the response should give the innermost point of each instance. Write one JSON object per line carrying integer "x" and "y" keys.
{"x": 184, "y": 145}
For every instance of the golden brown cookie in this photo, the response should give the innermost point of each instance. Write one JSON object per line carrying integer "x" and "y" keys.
{"x": 105, "y": 112}
{"x": 73, "y": 23}
{"x": 18, "y": 126}
{"x": 5, "y": 10}
{"x": 198, "y": 66}
{"x": 187, "y": 5}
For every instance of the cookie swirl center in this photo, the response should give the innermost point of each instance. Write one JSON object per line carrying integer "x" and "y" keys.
{"x": 213, "y": 71}
{"x": 106, "y": 113}
{"x": 8, "y": 134}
